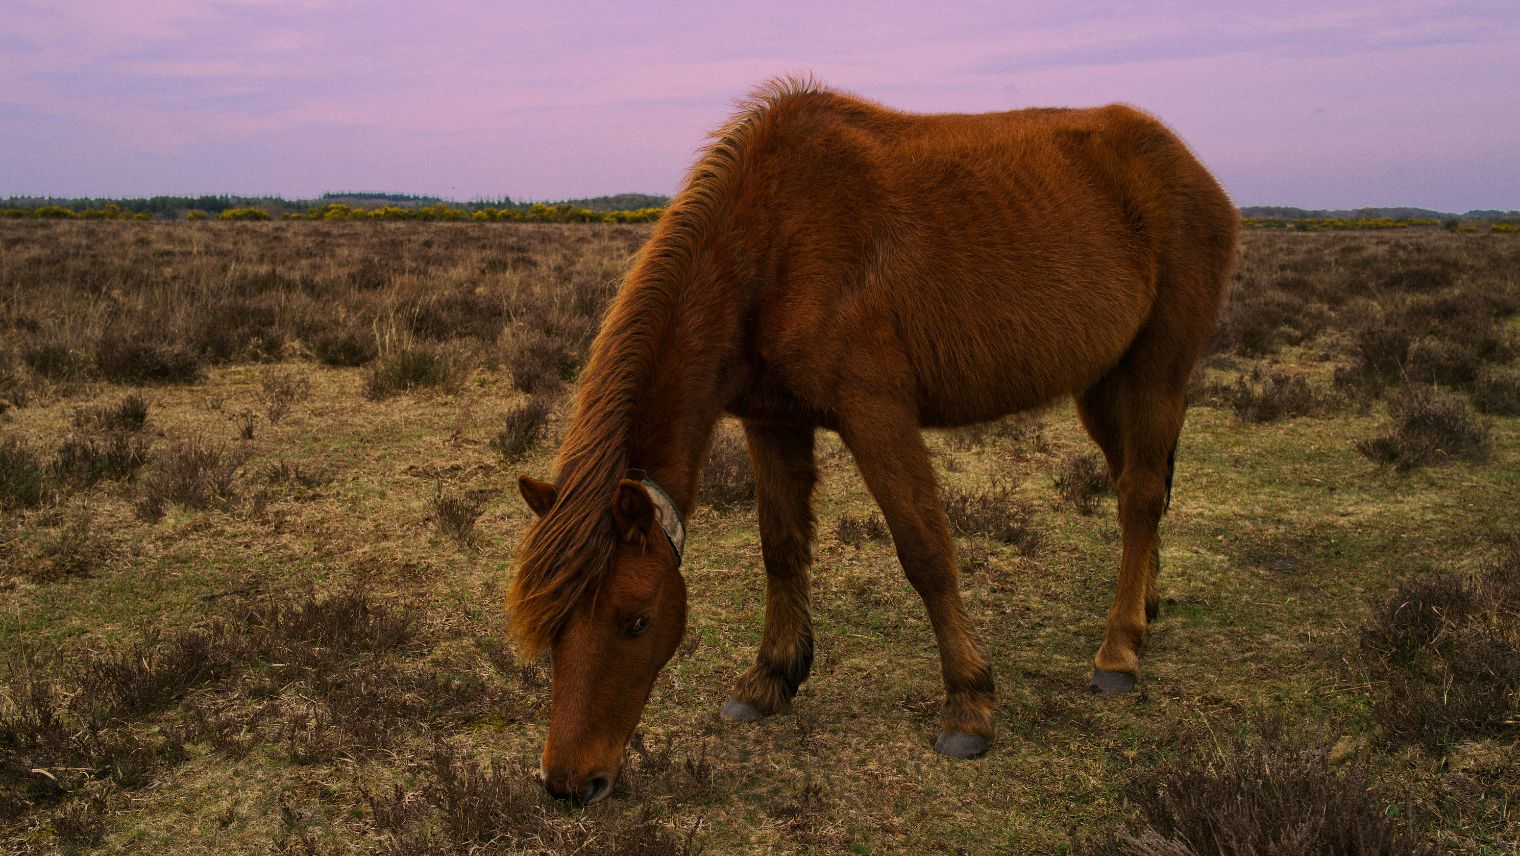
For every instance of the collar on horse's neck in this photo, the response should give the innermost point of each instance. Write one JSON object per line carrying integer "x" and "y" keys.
{"x": 665, "y": 512}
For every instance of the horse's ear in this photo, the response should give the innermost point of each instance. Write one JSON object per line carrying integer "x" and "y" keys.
{"x": 632, "y": 510}
{"x": 539, "y": 495}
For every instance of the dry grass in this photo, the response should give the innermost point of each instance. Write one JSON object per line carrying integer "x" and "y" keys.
{"x": 306, "y": 664}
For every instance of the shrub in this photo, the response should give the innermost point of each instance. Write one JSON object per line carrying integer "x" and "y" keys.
{"x": 56, "y": 360}
{"x": 1497, "y": 391}
{"x": 1380, "y": 345}
{"x": 1081, "y": 481}
{"x": 1429, "y": 425}
{"x": 146, "y": 676}
{"x": 82, "y": 462}
{"x": 1269, "y": 793}
{"x": 134, "y": 356}
{"x": 539, "y": 362}
{"x": 856, "y": 530}
{"x": 1276, "y": 396}
{"x": 994, "y": 513}
{"x": 243, "y": 214}
{"x": 239, "y": 329}
{"x": 80, "y": 823}
{"x": 1443, "y": 361}
{"x": 520, "y": 429}
{"x": 458, "y": 314}
{"x": 1443, "y": 655}
{"x": 1423, "y": 276}
{"x": 129, "y": 415}
{"x": 454, "y": 516}
{"x": 76, "y": 549}
{"x": 191, "y": 472}
{"x": 21, "y": 475}
{"x": 727, "y": 480}
{"x": 312, "y": 629}
{"x": 344, "y": 346}
{"x": 469, "y": 807}
{"x": 1255, "y": 322}
{"x": 17, "y": 382}
{"x": 404, "y": 363}
{"x": 281, "y": 389}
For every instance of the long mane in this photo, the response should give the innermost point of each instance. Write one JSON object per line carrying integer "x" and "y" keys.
{"x": 567, "y": 552}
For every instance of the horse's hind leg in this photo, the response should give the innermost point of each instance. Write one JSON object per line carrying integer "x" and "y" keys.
{"x": 890, "y": 452}
{"x": 783, "y": 463}
{"x": 1135, "y": 414}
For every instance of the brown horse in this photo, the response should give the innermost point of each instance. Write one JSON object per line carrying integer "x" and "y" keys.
{"x": 830, "y": 263}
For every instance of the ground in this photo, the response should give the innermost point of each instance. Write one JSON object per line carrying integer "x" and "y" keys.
{"x": 389, "y": 716}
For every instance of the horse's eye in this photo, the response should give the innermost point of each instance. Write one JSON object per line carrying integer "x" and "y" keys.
{"x": 638, "y": 625}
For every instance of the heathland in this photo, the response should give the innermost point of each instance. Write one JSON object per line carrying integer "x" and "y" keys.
{"x": 258, "y": 506}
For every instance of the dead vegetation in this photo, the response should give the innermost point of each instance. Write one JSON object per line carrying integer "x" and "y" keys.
{"x": 521, "y": 428}
{"x": 727, "y": 480}
{"x": 1443, "y": 652}
{"x": 1429, "y": 425}
{"x": 180, "y": 633}
{"x": 1267, "y": 792}
{"x": 854, "y": 531}
{"x": 193, "y": 472}
{"x": 1082, "y": 481}
{"x": 995, "y": 513}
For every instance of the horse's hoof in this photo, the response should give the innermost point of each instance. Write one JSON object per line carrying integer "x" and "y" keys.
{"x": 1108, "y": 683}
{"x": 737, "y": 711}
{"x": 959, "y": 745}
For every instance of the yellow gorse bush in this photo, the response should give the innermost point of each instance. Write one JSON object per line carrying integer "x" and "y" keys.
{"x": 243, "y": 214}
{"x": 537, "y": 213}
{"x": 58, "y": 212}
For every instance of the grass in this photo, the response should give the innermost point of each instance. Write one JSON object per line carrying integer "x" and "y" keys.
{"x": 302, "y": 662}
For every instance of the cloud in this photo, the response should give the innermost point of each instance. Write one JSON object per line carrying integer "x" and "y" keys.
{"x": 548, "y": 99}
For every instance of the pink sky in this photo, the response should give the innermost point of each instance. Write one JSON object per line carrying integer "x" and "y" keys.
{"x": 1303, "y": 103}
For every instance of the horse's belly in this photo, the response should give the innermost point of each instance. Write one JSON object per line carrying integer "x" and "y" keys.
{"x": 1019, "y": 350}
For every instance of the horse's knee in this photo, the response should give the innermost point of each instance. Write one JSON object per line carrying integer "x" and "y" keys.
{"x": 1142, "y": 497}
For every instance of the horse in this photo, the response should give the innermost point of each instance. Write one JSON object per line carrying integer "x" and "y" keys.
{"x": 830, "y": 263}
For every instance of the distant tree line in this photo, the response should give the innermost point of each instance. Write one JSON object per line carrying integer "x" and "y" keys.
{"x": 1284, "y": 212}
{"x": 618, "y": 208}
{"x": 176, "y": 207}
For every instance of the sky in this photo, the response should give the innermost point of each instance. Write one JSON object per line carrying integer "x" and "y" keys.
{"x": 1316, "y": 104}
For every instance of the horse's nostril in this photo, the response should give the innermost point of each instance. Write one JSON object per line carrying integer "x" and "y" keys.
{"x": 595, "y": 789}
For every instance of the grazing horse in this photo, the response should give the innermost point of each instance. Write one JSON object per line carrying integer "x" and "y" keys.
{"x": 830, "y": 263}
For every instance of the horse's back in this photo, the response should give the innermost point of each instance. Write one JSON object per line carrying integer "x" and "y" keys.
{"x": 979, "y": 263}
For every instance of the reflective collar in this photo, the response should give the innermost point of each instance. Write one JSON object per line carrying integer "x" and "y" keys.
{"x": 667, "y": 514}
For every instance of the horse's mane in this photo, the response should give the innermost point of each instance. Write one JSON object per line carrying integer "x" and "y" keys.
{"x": 567, "y": 552}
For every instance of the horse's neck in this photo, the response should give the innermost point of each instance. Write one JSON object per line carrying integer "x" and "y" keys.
{"x": 684, "y": 396}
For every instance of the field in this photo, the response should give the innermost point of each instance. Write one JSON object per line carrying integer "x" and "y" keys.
{"x": 258, "y": 494}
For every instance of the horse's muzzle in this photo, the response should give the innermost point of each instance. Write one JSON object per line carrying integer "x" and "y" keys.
{"x": 581, "y": 791}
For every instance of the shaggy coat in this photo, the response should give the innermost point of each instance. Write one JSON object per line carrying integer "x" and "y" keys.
{"x": 830, "y": 263}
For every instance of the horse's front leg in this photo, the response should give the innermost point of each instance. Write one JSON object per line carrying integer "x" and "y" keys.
{"x": 785, "y": 472}
{"x": 889, "y": 449}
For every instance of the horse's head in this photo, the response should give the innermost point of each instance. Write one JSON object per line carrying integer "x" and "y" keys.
{"x": 616, "y": 638}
